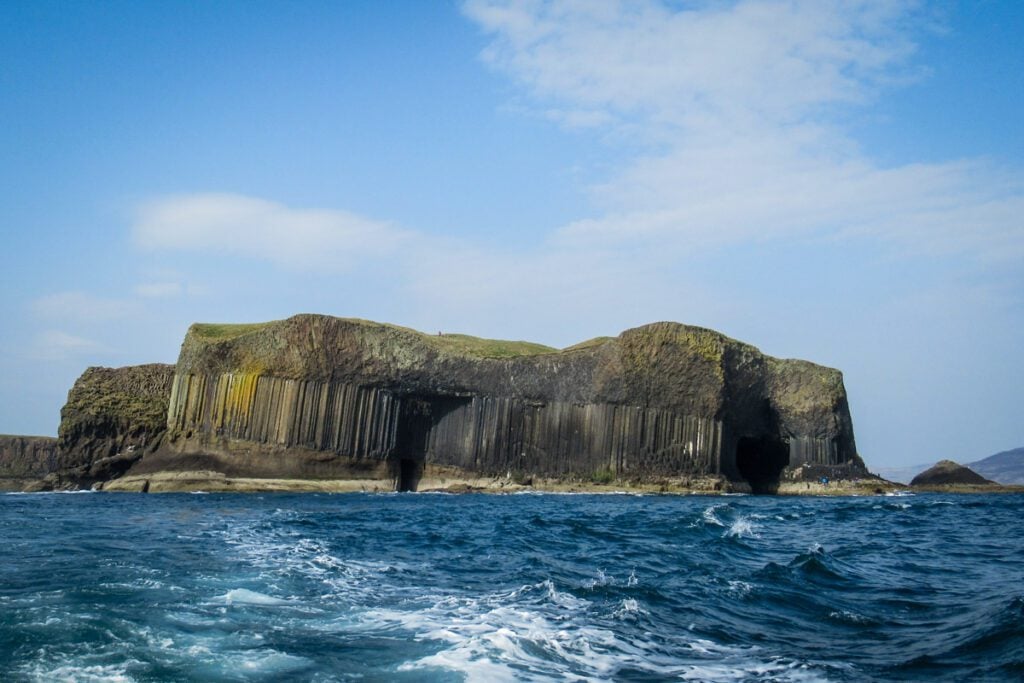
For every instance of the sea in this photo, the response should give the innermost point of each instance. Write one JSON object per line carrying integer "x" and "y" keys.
{"x": 525, "y": 587}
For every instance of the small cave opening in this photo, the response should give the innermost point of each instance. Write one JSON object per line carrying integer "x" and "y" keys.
{"x": 760, "y": 460}
{"x": 409, "y": 473}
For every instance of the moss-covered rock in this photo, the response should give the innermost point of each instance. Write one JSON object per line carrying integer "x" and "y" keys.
{"x": 110, "y": 410}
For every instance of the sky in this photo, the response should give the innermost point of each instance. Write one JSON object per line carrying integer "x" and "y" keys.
{"x": 835, "y": 180}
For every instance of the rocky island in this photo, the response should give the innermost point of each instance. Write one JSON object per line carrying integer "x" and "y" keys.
{"x": 322, "y": 403}
{"x": 948, "y": 476}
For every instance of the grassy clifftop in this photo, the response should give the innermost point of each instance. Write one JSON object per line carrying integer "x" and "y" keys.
{"x": 461, "y": 344}
{"x": 707, "y": 343}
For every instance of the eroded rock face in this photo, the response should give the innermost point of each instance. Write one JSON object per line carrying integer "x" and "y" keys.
{"x": 329, "y": 397}
{"x": 949, "y": 473}
{"x": 23, "y": 458}
{"x": 113, "y": 416}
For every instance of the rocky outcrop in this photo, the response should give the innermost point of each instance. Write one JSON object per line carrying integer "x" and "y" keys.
{"x": 949, "y": 473}
{"x": 322, "y": 397}
{"x": 110, "y": 410}
{"x": 113, "y": 416}
{"x": 24, "y": 458}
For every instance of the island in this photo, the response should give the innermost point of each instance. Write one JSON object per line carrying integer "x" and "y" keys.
{"x": 321, "y": 403}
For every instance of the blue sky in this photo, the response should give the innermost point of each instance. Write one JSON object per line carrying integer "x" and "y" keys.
{"x": 836, "y": 181}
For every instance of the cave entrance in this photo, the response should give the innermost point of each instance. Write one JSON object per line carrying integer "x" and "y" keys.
{"x": 414, "y": 425}
{"x": 409, "y": 473}
{"x": 760, "y": 460}
{"x": 419, "y": 435}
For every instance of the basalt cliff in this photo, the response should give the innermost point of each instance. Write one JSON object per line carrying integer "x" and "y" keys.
{"x": 25, "y": 458}
{"x": 318, "y": 402}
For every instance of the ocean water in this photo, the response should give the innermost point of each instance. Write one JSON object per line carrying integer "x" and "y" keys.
{"x": 433, "y": 587}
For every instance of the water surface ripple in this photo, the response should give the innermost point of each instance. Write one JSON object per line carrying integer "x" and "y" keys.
{"x": 284, "y": 587}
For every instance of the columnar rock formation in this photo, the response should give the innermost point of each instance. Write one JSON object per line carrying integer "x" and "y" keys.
{"x": 318, "y": 398}
{"x": 328, "y": 397}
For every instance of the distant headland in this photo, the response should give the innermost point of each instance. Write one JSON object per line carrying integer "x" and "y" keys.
{"x": 316, "y": 402}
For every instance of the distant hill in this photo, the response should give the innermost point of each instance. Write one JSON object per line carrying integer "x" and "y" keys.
{"x": 1006, "y": 467}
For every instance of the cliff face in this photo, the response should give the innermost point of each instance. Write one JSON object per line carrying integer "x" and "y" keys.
{"x": 113, "y": 416}
{"x": 23, "y": 458}
{"x": 111, "y": 409}
{"x": 316, "y": 396}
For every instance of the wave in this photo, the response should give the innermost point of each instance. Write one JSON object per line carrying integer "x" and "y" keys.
{"x": 244, "y": 596}
{"x": 994, "y": 649}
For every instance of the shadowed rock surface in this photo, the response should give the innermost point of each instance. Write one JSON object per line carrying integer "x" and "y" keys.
{"x": 321, "y": 397}
{"x": 948, "y": 473}
{"x": 24, "y": 458}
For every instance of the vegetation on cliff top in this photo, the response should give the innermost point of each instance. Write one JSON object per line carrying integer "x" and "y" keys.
{"x": 644, "y": 343}
{"x": 222, "y": 331}
{"x": 487, "y": 348}
{"x": 453, "y": 343}
{"x": 134, "y": 398}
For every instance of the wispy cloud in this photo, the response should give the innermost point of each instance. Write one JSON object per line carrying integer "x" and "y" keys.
{"x": 734, "y": 109}
{"x": 55, "y": 345}
{"x": 253, "y": 227}
{"x": 731, "y": 62}
{"x": 81, "y": 307}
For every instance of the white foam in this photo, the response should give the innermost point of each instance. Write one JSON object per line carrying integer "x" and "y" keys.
{"x": 244, "y": 596}
{"x": 848, "y": 616}
{"x": 629, "y": 609}
{"x": 740, "y": 588}
{"x": 78, "y": 673}
{"x": 600, "y": 580}
{"x": 709, "y": 516}
{"x": 742, "y": 527}
{"x": 540, "y": 633}
{"x": 270, "y": 662}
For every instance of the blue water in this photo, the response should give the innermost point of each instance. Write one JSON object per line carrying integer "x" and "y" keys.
{"x": 122, "y": 587}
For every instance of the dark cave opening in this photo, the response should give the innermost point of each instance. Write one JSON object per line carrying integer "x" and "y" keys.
{"x": 418, "y": 418}
{"x": 409, "y": 473}
{"x": 760, "y": 461}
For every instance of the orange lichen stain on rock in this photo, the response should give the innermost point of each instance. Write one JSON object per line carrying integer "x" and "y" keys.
{"x": 235, "y": 393}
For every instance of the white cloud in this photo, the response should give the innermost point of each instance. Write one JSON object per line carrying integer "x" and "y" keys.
{"x": 735, "y": 103}
{"x": 763, "y": 59}
{"x": 80, "y": 306}
{"x": 249, "y": 226}
{"x": 55, "y": 345}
